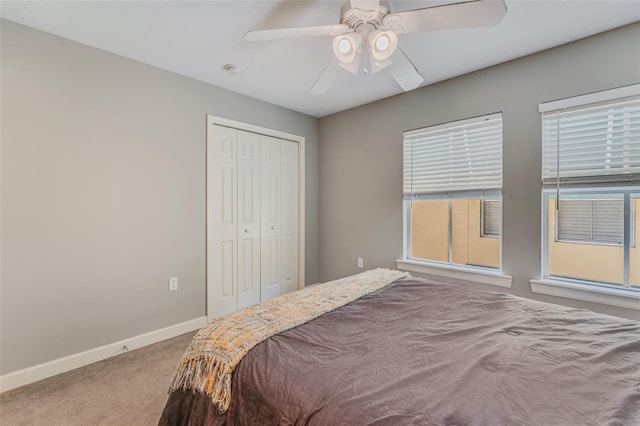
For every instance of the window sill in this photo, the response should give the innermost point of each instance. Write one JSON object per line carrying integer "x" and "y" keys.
{"x": 609, "y": 296}
{"x": 459, "y": 272}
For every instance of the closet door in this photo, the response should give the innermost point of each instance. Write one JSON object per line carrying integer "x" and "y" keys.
{"x": 270, "y": 217}
{"x": 248, "y": 219}
{"x": 222, "y": 225}
{"x": 289, "y": 216}
{"x": 252, "y": 218}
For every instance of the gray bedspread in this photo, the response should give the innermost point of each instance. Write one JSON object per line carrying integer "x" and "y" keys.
{"x": 419, "y": 352}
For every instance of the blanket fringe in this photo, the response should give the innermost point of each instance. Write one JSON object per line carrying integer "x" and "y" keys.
{"x": 208, "y": 376}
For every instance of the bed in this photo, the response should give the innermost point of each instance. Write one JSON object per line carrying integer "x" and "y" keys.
{"x": 422, "y": 352}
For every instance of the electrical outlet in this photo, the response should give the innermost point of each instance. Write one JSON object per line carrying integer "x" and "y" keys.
{"x": 360, "y": 263}
{"x": 173, "y": 283}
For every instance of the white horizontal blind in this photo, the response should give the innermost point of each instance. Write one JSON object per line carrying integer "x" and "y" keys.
{"x": 608, "y": 221}
{"x": 491, "y": 218}
{"x": 574, "y": 220}
{"x": 600, "y": 142}
{"x": 594, "y": 221}
{"x": 458, "y": 156}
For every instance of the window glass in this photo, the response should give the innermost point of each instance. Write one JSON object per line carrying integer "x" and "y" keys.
{"x": 581, "y": 248}
{"x": 430, "y": 230}
{"x": 470, "y": 245}
{"x": 465, "y": 246}
{"x": 591, "y": 220}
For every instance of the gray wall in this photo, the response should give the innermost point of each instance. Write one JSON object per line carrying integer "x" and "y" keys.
{"x": 361, "y": 153}
{"x": 103, "y": 194}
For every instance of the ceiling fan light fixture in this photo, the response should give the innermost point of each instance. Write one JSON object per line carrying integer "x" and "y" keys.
{"x": 379, "y": 65}
{"x": 346, "y": 46}
{"x": 383, "y": 44}
{"x": 354, "y": 66}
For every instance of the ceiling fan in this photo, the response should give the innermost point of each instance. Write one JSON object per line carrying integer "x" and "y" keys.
{"x": 366, "y": 39}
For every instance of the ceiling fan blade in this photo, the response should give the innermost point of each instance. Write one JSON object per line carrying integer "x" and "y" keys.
{"x": 475, "y": 13}
{"x": 365, "y": 4}
{"x": 327, "y": 78}
{"x": 404, "y": 72}
{"x": 298, "y": 32}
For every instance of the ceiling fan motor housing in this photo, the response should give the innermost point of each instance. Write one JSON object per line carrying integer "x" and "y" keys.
{"x": 356, "y": 18}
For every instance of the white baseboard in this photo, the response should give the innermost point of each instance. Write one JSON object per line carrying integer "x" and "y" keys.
{"x": 48, "y": 369}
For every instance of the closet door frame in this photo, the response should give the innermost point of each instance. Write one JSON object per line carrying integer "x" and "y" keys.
{"x": 221, "y": 121}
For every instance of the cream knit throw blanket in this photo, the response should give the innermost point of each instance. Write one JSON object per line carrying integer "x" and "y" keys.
{"x": 216, "y": 350}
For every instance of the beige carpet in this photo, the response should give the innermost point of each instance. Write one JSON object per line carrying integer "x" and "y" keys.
{"x": 129, "y": 389}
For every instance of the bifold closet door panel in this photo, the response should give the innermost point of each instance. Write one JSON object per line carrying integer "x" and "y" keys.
{"x": 270, "y": 217}
{"x": 222, "y": 226}
{"x": 248, "y": 219}
{"x": 288, "y": 216}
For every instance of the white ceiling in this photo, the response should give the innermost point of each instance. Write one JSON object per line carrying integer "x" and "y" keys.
{"x": 197, "y": 38}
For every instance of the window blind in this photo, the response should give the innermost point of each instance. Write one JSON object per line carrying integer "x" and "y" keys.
{"x": 491, "y": 221}
{"x": 464, "y": 155}
{"x": 597, "y": 142}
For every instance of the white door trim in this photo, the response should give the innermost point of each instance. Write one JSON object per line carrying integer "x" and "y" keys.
{"x": 239, "y": 125}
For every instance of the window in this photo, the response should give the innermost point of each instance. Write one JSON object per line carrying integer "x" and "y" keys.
{"x": 591, "y": 189}
{"x": 452, "y": 192}
{"x": 491, "y": 218}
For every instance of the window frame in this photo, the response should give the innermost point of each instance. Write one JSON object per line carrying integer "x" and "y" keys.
{"x": 623, "y": 184}
{"x": 467, "y": 270}
{"x": 627, "y": 192}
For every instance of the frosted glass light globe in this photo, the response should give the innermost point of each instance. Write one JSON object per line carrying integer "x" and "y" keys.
{"x": 382, "y": 43}
{"x": 344, "y": 46}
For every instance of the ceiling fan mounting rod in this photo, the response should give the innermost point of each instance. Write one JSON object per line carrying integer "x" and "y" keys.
{"x": 365, "y": 29}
